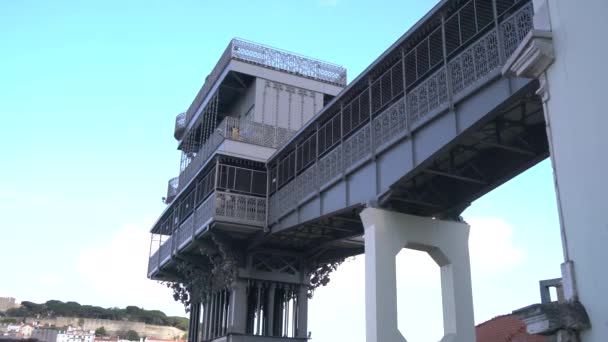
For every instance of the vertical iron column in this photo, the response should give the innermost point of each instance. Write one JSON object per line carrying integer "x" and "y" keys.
{"x": 302, "y": 314}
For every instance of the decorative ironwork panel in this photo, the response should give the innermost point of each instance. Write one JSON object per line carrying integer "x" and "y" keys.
{"x": 468, "y": 67}
{"x": 390, "y": 123}
{"x": 429, "y": 95}
{"x": 240, "y": 208}
{"x": 286, "y": 61}
{"x": 165, "y": 250}
{"x": 307, "y": 182}
{"x": 330, "y": 165}
{"x": 515, "y": 28}
{"x": 256, "y": 133}
{"x": 152, "y": 262}
{"x": 474, "y": 63}
{"x": 204, "y": 212}
{"x": 357, "y": 146}
{"x": 185, "y": 231}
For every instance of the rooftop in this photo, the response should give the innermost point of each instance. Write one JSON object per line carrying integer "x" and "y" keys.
{"x": 506, "y": 328}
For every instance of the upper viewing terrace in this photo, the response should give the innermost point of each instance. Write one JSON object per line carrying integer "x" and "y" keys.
{"x": 268, "y": 57}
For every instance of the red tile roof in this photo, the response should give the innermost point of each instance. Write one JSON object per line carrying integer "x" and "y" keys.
{"x": 507, "y": 328}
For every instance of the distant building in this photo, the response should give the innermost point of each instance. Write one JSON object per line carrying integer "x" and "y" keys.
{"x": 26, "y": 330}
{"x": 45, "y": 334}
{"x": 7, "y": 303}
{"x": 153, "y": 339}
{"x": 75, "y": 335}
{"x": 12, "y": 330}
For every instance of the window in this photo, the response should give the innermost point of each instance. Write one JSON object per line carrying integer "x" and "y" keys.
{"x": 242, "y": 180}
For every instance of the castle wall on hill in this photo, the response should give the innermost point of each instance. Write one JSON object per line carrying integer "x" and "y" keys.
{"x": 113, "y": 328}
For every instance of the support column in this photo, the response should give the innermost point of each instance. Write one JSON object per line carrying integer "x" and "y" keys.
{"x": 302, "y": 316}
{"x": 190, "y": 325}
{"x": 238, "y": 308}
{"x": 386, "y": 233}
{"x": 195, "y": 323}
{"x": 270, "y": 309}
{"x": 205, "y": 323}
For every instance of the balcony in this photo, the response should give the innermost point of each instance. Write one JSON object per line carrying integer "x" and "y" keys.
{"x": 246, "y": 212}
{"x": 236, "y": 129}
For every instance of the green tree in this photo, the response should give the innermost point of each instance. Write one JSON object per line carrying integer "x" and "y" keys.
{"x": 100, "y": 332}
{"x": 132, "y": 335}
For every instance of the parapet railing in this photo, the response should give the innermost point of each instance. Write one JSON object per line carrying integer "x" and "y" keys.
{"x": 239, "y": 130}
{"x": 219, "y": 206}
{"x": 269, "y": 57}
{"x": 465, "y": 72}
{"x": 288, "y": 61}
{"x": 153, "y": 263}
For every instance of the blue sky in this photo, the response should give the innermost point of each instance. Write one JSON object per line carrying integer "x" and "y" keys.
{"x": 88, "y": 95}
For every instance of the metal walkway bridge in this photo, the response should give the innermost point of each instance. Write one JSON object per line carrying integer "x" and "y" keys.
{"x": 428, "y": 128}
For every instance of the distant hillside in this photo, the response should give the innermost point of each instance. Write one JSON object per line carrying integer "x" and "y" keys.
{"x": 111, "y": 328}
{"x": 56, "y": 308}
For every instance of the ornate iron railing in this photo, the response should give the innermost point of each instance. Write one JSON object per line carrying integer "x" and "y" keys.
{"x": 153, "y": 263}
{"x": 184, "y": 232}
{"x": 255, "y": 133}
{"x": 269, "y": 57}
{"x": 239, "y": 208}
{"x": 232, "y": 128}
{"x": 287, "y": 61}
{"x": 467, "y": 71}
{"x": 165, "y": 250}
{"x": 219, "y": 206}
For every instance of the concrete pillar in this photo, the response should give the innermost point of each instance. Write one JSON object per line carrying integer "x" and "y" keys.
{"x": 386, "y": 233}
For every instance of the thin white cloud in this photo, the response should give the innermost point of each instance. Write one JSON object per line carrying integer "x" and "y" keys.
{"x": 116, "y": 273}
{"x": 491, "y": 246}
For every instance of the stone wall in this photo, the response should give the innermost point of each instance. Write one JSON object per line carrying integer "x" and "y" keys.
{"x": 113, "y": 328}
